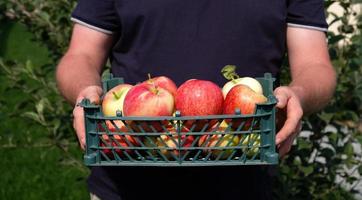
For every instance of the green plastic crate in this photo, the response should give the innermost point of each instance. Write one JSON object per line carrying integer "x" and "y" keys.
{"x": 166, "y": 141}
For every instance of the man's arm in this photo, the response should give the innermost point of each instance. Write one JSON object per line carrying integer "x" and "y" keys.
{"x": 313, "y": 76}
{"x": 82, "y": 64}
{"x": 79, "y": 71}
{"x": 313, "y": 82}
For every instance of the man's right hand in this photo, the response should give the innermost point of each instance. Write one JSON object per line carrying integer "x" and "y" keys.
{"x": 92, "y": 93}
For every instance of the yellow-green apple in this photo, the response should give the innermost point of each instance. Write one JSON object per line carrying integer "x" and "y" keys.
{"x": 114, "y": 98}
{"x": 229, "y": 72}
{"x": 252, "y": 141}
{"x": 224, "y": 140}
{"x": 165, "y": 140}
{"x": 244, "y": 98}
{"x": 199, "y": 98}
{"x": 163, "y": 82}
{"x": 248, "y": 81}
{"x": 147, "y": 100}
{"x": 174, "y": 143}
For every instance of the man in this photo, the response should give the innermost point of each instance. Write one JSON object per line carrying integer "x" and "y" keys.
{"x": 195, "y": 39}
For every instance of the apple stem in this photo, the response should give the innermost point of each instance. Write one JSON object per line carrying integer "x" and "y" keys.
{"x": 229, "y": 72}
{"x": 154, "y": 89}
{"x": 115, "y": 95}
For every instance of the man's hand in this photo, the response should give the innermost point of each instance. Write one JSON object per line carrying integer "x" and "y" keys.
{"x": 92, "y": 93}
{"x": 289, "y": 117}
{"x": 312, "y": 86}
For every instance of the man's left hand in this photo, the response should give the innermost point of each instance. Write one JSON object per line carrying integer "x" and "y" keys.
{"x": 289, "y": 117}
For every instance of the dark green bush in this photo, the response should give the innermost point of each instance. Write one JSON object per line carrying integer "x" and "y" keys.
{"x": 324, "y": 163}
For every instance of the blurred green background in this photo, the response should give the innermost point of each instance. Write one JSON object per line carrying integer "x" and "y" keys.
{"x": 40, "y": 157}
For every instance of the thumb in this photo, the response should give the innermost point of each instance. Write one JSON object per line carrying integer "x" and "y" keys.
{"x": 92, "y": 93}
{"x": 282, "y": 95}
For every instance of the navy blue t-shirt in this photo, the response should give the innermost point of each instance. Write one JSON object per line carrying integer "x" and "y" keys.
{"x": 193, "y": 39}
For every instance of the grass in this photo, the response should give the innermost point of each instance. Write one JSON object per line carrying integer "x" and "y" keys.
{"x": 40, "y": 173}
{"x": 31, "y": 166}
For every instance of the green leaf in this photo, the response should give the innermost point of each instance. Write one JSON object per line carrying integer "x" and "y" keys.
{"x": 307, "y": 170}
{"x": 327, "y": 153}
{"x": 335, "y": 39}
{"x": 45, "y": 16}
{"x": 303, "y": 144}
{"x": 40, "y": 107}
{"x": 32, "y": 115}
{"x": 360, "y": 170}
{"x": 333, "y": 137}
{"x": 348, "y": 149}
{"x": 326, "y": 117}
{"x": 229, "y": 72}
{"x": 359, "y": 138}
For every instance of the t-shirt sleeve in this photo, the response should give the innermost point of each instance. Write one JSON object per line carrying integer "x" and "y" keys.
{"x": 99, "y": 15}
{"x": 307, "y": 14}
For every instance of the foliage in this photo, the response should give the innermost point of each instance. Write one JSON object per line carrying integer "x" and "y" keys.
{"x": 48, "y": 20}
{"x": 324, "y": 163}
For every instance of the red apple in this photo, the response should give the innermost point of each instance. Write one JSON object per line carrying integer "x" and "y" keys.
{"x": 109, "y": 141}
{"x": 118, "y": 126}
{"x": 199, "y": 98}
{"x": 114, "y": 98}
{"x": 244, "y": 98}
{"x": 163, "y": 82}
{"x": 145, "y": 100}
{"x": 112, "y": 142}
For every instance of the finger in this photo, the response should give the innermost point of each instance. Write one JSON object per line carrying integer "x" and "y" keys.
{"x": 285, "y": 147}
{"x": 282, "y": 96}
{"x": 92, "y": 93}
{"x": 78, "y": 125}
{"x": 294, "y": 115}
{"x": 94, "y": 98}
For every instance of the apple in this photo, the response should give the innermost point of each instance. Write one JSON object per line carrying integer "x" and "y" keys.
{"x": 162, "y": 82}
{"x": 111, "y": 142}
{"x": 199, "y": 98}
{"x": 219, "y": 140}
{"x": 252, "y": 141}
{"x": 224, "y": 140}
{"x": 147, "y": 100}
{"x": 118, "y": 126}
{"x": 170, "y": 141}
{"x": 248, "y": 81}
{"x": 229, "y": 72}
{"x": 114, "y": 98}
{"x": 244, "y": 98}
{"x": 220, "y": 127}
